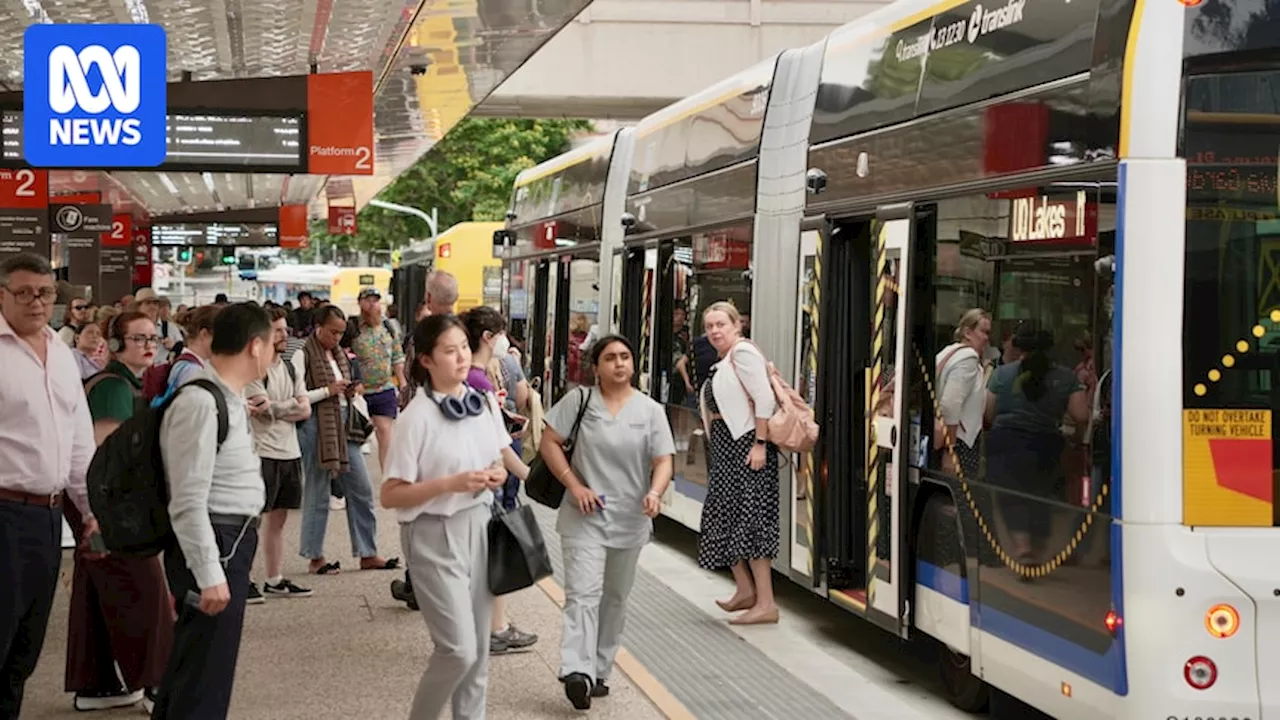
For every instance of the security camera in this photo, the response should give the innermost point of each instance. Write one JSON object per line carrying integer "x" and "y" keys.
{"x": 815, "y": 181}
{"x": 628, "y": 220}
{"x": 418, "y": 68}
{"x": 511, "y": 216}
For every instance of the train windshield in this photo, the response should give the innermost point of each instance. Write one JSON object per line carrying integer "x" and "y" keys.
{"x": 1231, "y": 314}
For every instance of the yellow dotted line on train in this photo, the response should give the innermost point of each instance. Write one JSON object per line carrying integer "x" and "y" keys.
{"x": 1229, "y": 360}
{"x": 1030, "y": 571}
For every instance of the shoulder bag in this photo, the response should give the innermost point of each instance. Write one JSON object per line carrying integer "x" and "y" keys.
{"x": 541, "y": 485}
{"x": 518, "y": 554}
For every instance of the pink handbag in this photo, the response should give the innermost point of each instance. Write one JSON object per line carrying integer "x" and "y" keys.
{"x": 791, "y": 427}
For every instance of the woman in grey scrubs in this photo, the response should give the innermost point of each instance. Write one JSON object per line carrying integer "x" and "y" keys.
{"x": 446, "y": 457}
{"x": 621, "y": 466}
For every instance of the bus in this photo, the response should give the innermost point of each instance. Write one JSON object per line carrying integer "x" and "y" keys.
{"x": 339, "y": 285}
{"x": 1076, "y": 170}
{"x": 465, "y": 251}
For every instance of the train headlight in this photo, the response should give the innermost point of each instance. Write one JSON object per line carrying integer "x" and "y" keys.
{"x": 1222, "y": 621}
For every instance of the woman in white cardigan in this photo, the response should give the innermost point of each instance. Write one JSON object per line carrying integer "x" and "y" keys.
{"x": 961, "y": 373}
{"x": 740, "y": 514}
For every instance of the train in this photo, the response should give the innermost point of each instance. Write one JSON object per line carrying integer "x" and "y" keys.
{"x": 1098, "y": 179}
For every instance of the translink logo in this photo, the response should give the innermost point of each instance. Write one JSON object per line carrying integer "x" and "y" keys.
{"x": 94, "y": 95}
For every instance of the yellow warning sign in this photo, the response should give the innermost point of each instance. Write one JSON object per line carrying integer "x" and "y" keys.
{"x": 1227, "y": 467}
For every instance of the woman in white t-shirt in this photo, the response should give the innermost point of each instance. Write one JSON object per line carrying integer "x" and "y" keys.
{"x": 446, "y": 458}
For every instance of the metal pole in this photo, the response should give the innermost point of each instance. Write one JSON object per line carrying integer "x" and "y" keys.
{"x": 431, "y": 220}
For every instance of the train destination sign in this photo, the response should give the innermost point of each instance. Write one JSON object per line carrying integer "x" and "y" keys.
{"x": 204, "y": 139}
{"x": 223, "y": 234}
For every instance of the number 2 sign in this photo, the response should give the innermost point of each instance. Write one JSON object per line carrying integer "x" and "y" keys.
{"x": 24, "y": 188}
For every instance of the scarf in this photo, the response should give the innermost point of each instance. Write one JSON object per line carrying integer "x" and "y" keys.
{"x": 331, "y": 438}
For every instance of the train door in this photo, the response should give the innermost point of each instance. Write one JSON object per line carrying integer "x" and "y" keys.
{"x": 539, "y": 348}
{"x": 805, "y": 382}
{"x": 630, "y": 286}
{"x": 557, "y": 330}
{"x": 889, "y": 429}
{"x": 583, "y": 321}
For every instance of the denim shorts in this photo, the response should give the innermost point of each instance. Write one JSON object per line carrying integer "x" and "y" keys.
{"x": 385, "y": 403}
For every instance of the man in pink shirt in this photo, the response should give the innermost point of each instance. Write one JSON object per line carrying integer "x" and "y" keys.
{"x": 46, "y": 443}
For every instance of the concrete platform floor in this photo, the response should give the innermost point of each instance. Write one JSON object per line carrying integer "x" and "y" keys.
{"x": 350, "y": 651}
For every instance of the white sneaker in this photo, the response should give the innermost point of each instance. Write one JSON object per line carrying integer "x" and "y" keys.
{"x": 337, "y": 503}
{"x": 104, "y": 701}
{"x": 366, "y": 448}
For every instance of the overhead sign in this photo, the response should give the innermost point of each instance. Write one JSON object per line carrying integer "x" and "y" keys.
{"x": 94, "y": 95}
{"x": 142, "y": 257}
{"x": 342, "y": 221}
{"x": 80, "y": 220}
{"x": 1047, "y": 219}
{"x": 115, "y": 259}
{"x": 340, "y": 123}
{"x": 24, "y": 212}
{"x": 294, "y": 234}
{"x": 224, "y": 234}
{"x": 195, "y": 141}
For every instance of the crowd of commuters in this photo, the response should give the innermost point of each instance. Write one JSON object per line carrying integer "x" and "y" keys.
{"x": 267, "y": 409}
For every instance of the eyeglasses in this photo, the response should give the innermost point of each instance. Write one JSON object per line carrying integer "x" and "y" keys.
{"x": 143, "y": 339}
{"x": 27, "y": 294}
{"x": 79, "y": 307}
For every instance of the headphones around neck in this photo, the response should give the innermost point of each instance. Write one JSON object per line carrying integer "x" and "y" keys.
{"x": 471, "y": 404}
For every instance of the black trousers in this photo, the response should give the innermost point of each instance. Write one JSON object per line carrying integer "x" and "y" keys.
{"x": 201, "y": 674}
{"x": 30, "y": 555}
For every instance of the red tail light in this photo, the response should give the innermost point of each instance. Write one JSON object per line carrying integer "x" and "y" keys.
{"x": 1112, "y": 621}
{"x": 1200, "y": 672}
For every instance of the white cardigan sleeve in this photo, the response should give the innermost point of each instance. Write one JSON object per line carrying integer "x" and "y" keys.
{"x": 753, "y": 372}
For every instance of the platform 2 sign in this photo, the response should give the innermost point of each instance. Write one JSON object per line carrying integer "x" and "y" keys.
{"x": 24, "y": 212}
{"x": 115, "y": 259}
{"x": 340, "y": 123}
{"x": 1227, "y": 468}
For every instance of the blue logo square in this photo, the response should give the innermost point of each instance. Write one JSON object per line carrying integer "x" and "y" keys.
{"x": 94, "y": 96}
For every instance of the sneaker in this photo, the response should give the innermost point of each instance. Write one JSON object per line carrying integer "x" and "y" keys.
{"x": 599, "y": 689}
{"x": 255, "y": 595}
{"x": 510, "y": 639}
{"x": 577, "y": 687}
{"x": 148, "y": 701}
{"x": 86, "y": 701}
{"x": 337, "y": 504}
{"x": 285, "y": 588}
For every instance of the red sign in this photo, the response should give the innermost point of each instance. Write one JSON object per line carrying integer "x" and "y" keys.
{"x": 545, "y": 234}
{"x": 721, "y": 250}
{"x": 1053, "y": 219}
{"x": 25, "y": 188}
{"x": 1014, "y": 139}
{"x": 340, "y": 123}
{"x": 294, "y": 234}
{"x": 342, "y": 221}
{"x": 121, "y": 234}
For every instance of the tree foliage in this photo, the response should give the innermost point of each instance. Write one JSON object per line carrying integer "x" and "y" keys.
{"x": 467, "y": 176}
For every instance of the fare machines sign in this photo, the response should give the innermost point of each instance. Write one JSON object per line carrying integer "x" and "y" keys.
{"x": 24, "y": 212}
{"x": 1045, "y": 219}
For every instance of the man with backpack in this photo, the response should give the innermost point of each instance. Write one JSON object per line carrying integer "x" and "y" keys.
{"x": 216, "y": 493}
{"x": 276, "y": 405}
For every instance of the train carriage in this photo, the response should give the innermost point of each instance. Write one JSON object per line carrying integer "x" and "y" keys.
{"x": 1098, "y": 177}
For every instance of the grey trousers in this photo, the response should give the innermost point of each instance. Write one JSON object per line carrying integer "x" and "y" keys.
{"x": 597, "y": 581}
{"x": 448, "y": 561}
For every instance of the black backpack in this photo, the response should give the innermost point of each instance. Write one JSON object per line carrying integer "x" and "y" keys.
{"x": 126, "y": 480}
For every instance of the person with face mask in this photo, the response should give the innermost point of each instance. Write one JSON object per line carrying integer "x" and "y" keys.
{"x": 485, "y": 328}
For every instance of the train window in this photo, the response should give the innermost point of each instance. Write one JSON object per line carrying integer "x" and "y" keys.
{"x": 1017, "y": 309}
{"x": 584, "y": 320}
{"x": 697, "y": 271}
{"x": 519, "y": 296}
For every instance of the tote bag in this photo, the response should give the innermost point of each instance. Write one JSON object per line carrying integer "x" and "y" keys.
{"x": 542, "y": 486}
{"x": 517, "y": 552}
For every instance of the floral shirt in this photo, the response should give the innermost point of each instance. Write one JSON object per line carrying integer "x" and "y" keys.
{"x": 378, "y": 353}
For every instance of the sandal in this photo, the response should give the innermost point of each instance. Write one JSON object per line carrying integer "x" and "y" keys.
{"x": 388, "y": 564}
{"x": 329, "y": 568}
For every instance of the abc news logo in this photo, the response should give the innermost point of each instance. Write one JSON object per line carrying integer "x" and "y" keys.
{"x": 121, "y": 90}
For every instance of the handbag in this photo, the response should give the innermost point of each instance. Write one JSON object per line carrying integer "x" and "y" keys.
{"x": 518, "y": 554}
{"x": 359, "y": 427}
{"x": 542, "y": 486}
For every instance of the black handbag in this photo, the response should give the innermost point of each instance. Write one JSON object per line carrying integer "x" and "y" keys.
{"x": 359, "y": 427}
{"x": 541, "y": 485}
{"x": 517, "y": 553}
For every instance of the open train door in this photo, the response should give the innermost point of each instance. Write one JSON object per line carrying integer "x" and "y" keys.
{"x": 890, "y": 436}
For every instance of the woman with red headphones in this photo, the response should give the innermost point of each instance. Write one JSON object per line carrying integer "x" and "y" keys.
{"x": 120, "y": 609}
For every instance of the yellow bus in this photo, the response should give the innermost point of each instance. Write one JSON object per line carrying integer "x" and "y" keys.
{"x": 464, "y": 251}
{"x": 339, "y": 285}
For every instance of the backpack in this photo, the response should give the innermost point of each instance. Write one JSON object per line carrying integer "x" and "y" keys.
{"x": 126, "y": 480}
{"x": 791, "y": 427}
{"x": 155, "y": 380}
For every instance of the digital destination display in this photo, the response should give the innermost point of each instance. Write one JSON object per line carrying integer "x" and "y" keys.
{"x": 224, "y": 234}
{"x": 205, "y": 139}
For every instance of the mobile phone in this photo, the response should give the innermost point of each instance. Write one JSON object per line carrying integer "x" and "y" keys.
{"x": 97, "y": 544}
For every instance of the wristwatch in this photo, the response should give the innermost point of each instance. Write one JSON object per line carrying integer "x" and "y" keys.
{"x": 761, "y": 442}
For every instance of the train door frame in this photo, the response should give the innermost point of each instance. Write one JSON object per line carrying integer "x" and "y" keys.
{"x": 536, "y": 337}
{"x": 802, "y": 560}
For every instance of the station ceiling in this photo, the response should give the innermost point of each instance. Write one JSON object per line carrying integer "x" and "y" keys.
{"x": 432, "y": 60}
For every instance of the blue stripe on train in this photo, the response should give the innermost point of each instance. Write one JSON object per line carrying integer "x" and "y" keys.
{"x": 1106, "y": 669}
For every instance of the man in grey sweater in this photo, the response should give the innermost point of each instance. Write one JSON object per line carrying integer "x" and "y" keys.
{"x": 216, "y": 494}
